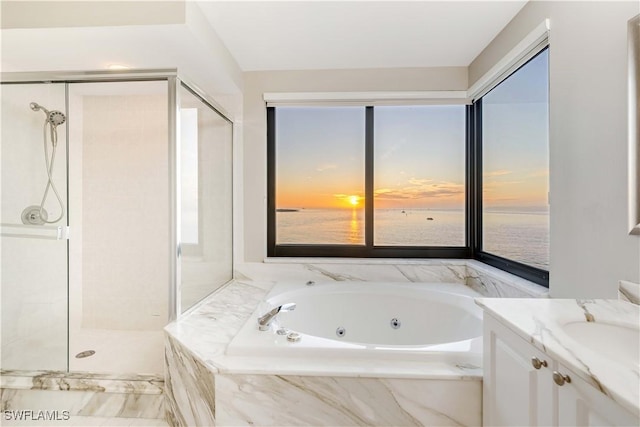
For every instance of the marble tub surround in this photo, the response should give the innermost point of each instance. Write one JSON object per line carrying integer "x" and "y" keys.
{"x": 206, "y": 331}
{"x": 198, "y": 394}
{"x": 542, "y": 321}
{"x": 345, "y": 401}
{"x": 484, "y": 279}
{"x": 204, "y": 386}
{"x": 493, "y": 282}
{"x": 83, "y": 394}
{"x": 629, "y": 291}
{"x": 189, "y": 387}
{"x": 207, "y": 328}
{"x": 361, "y": 270}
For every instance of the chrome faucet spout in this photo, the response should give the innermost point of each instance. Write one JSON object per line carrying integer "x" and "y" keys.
{"x": 264, "y": 321}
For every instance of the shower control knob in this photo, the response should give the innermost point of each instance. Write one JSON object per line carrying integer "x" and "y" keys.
{"x": 537, "y": 363}
{"x": 560, "y": 379}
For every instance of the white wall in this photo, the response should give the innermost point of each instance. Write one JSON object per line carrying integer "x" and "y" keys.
{"x": 138, "y": 34}
{"x": 254, "y": 153}
{"x": 57, "y": 14}
{"x": 590, "y": 247}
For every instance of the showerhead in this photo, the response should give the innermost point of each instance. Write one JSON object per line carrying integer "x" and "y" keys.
{"x": 56, "y": 118}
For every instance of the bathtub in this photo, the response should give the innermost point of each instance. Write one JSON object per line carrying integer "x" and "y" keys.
{"x": 430, "y": 322}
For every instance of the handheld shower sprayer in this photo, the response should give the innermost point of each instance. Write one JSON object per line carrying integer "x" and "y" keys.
{"x": 56, "y": 118}
{"x": 37, "y": 215}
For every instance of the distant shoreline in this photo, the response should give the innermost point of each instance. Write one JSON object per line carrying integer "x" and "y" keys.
{"x": 287, "y": 210}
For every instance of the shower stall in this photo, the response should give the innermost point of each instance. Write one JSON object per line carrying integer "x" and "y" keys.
{"x": 116, "y": 216}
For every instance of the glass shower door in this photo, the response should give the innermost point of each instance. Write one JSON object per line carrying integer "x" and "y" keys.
{"x": 33, "y": 213}
{"x": 206, "y": 208}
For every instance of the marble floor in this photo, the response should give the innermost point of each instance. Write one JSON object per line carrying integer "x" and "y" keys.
{"x": 90, "y": 422}
{"x": 117, "y": 351}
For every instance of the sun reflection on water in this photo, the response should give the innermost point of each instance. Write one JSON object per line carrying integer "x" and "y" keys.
{"x": 355, "y": 235}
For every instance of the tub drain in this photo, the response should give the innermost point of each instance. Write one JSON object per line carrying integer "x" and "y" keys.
{"x": 84, "y": 354}
{"x": 341, "y": 331}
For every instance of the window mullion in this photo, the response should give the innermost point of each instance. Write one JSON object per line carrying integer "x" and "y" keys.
{"x": 477, "y": 171}
{"x": 271, "y": 181}
{"x": 368, "y": 179}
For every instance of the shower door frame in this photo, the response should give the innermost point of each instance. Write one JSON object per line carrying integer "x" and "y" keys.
{"x": 174, "y": 81}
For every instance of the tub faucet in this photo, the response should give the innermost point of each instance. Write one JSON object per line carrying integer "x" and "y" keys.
{"x": 265, "y": 320}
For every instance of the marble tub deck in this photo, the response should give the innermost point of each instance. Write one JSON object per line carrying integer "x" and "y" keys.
{"x": 203, "y": 386}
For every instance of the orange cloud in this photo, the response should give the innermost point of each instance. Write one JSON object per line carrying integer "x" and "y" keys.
{"x": 500, "y": 172}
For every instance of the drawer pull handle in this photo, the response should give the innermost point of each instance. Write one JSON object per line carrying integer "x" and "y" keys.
{"x": 537, "y": 363}
{"x": 560, "y": 379}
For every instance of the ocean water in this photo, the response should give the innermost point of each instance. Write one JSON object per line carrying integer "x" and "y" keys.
{"x": 520, "y": 236}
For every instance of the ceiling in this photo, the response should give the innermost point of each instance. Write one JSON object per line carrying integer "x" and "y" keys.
{"x": 299, "y": 35}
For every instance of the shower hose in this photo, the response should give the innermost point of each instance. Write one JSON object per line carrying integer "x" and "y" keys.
{"x": 49, "y": 164}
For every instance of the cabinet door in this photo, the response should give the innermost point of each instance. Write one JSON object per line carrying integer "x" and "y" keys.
{"x": 581, "y": 404}
{"x": 515, "y": 393}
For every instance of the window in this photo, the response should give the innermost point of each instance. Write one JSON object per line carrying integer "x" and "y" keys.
{"x": 320, "y": 175}
{"x": 367, "y": 181}
{"x": 419, "y": 193}
{"x": 514, "y": 168}
{"x": 424, "y": 181}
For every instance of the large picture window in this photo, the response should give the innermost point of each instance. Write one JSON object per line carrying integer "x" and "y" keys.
{"x": 421, "y": 181}
{"x": 514, "y": 167}
{"x": 367, "y": 181}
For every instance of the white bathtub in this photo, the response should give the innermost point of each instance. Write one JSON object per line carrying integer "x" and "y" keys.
{"x": 438, "y": 322}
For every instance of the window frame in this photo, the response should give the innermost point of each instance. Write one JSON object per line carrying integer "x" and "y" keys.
{"x": 368, "y": 250}
{"x": 473, "y": 204}
{"x": 533, "y": 274}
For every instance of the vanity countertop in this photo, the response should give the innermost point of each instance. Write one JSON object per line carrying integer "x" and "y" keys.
{"x": 579, "y": 334}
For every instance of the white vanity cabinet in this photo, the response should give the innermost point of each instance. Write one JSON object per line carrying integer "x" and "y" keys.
{"x": 580, "y": 404}
{"x": 517, "y": 383}
{"x": 519, "y": 388}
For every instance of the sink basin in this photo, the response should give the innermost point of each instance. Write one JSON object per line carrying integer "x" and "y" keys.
{"x": 618, "y": 343}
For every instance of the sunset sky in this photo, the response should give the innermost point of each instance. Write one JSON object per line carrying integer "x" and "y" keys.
{"x": 516, "y": 142}
{"x": 419, "y": 151}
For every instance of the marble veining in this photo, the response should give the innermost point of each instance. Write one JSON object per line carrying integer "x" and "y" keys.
{"x": 208, "y": 328}
{"x": 629, "y": 291}
{"x": 190, "y": 388}
{"x": 83, "y": 393}
{"x": 442, "y": 273}
{"x": 85, "y": 403}
{"x": 336, "y": 401}
{"x": 81, "y": 381}
{"x": 204, "y": 386}
{"x": 484, "y": 279}
{"x": 492, "y": 282}
{"x": 541, "y": 321}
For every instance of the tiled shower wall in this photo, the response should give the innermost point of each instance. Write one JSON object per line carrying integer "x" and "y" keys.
{"x": 125, "y": 220}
